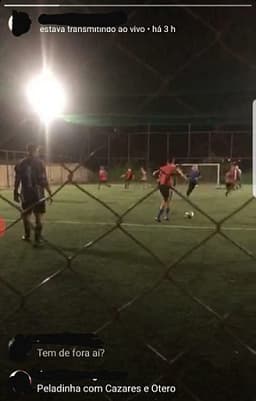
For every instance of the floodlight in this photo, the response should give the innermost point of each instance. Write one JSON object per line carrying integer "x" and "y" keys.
{"x": 46, "y": 96}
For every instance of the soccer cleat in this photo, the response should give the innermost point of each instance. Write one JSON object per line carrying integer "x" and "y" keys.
{"x": 166, "y": 218}
{"x": 25, "y": 238}
{"x": 38, "y": 243}
{"x": 157, "y": 219}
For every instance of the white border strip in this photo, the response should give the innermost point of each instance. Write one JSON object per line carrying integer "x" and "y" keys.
{"x": 254, "y": 148}
{"x": 131, "y": 5}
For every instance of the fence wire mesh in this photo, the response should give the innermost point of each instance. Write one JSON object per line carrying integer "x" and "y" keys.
{"x": 218, "y": 38}
{"x": 115, "y": 314}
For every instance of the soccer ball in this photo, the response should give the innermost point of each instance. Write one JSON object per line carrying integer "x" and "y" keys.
{"x": 189, "y": 215}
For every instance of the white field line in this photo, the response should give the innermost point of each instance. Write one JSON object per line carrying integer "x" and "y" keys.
{"x": 146, "y": 226}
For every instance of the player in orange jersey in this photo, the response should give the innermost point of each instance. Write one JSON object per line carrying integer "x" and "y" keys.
{"x": 166, "y": 182}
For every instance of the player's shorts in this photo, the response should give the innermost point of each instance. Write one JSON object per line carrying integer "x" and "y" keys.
{"x": 32, "y": 201}
{"x": 230, "y": 185}
{"x": 165, "y": 191}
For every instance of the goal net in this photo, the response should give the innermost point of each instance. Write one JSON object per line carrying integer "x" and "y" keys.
{"x": 210, "y": 172}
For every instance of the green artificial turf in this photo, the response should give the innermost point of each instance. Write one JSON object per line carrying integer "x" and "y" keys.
{"x": 194, "y": 328}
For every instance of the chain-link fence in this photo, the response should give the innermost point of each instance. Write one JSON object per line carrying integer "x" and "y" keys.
{"x": 167, "y": 276}
{"x": 216, "y": 34}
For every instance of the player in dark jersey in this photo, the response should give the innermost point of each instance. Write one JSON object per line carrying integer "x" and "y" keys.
{"x": 193, "y": 177}
{"x": 31, "y": 179}
{"x": 166, "y": 175}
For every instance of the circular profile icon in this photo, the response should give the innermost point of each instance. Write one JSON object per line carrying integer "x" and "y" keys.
{"x": 20, "y": 382}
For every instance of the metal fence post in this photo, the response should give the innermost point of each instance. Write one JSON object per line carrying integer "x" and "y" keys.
{"x": 189, "y": 140}
{"x": 88, "y": 143}
{"x": 148, "y": 145}
{"x": 167, "y": 146}
{"x": 108, "y": 149}
{"x": 128, "y": 148}
{"x": 231, "y": 145}
{"x": 7, "y": 169}
{"x": 209, "y": 145}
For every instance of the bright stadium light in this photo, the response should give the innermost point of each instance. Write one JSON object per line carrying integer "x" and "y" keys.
{"x": 46, "y": 96}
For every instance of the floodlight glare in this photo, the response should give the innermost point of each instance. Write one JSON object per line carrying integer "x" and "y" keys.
{"x": 46, "y": 96}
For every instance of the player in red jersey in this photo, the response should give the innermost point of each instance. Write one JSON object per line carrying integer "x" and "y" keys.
{"x": 128, "y": 177}
{"x": 166, "y": 181}
{"x": 103, "y": 177}
{"x": 230, "y": 179}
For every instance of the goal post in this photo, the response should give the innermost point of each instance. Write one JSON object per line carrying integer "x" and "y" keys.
{"x": 210, "y": 172}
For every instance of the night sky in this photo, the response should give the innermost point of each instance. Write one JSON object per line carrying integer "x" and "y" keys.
{"x": 205, "y": 73}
